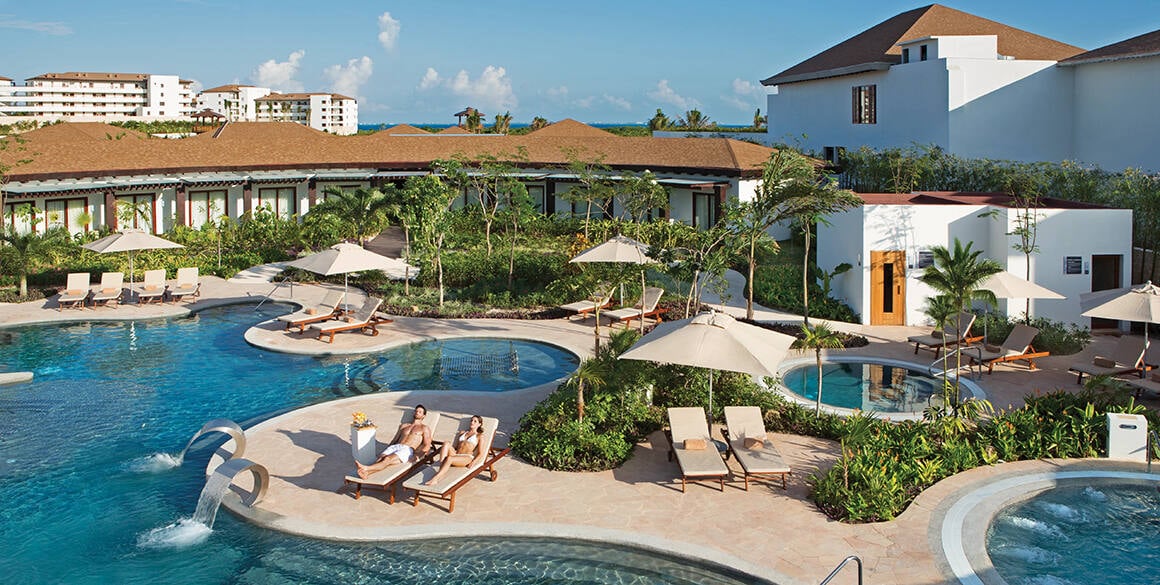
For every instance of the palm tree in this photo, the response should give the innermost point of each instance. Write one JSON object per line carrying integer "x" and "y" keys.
{"x": 957, "y": 274}
{"x": 25, "y": 253}
{"x": 941, "y": 309}
{"x": 758, "y": 120}
{"x": 474, "y": 121}
{"x": 503, "y": 123}
{"x": 592, "y": 372}
{"x": 538, "y": 122}
{"x": 817, "y": 338}
{"x": 363, "y": 211}
{"x": 659, "y": 121}
{"x": 695, "y": 120}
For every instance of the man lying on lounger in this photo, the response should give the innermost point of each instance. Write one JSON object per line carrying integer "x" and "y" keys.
{"x": 411, "y": 437}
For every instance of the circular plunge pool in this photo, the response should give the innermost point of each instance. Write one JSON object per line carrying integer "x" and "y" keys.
{"x": 867, "y": 384}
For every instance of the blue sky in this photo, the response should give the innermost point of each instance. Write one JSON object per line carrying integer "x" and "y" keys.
{"x": 421, "y": 61}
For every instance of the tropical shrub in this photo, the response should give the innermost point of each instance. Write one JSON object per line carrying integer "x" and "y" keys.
{"x": 779, "y": 286}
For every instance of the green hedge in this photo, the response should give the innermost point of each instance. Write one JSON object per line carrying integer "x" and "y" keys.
{"x": 779, "y": 286}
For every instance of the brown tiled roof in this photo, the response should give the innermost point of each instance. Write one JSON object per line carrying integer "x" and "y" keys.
{"x": 231, "y": 88}
{"x": 877, "y": 47}
{"x": 2, "y": 78}
{"x": 569, "y": 127}
{"x": 299, "y": 96}
{"x": 339, "y": 96}
{"x": 90, "y": 76}
{"x": 402, "y": 129}
{"x": 963, "y": 198}
{"x": 79, "y": 132}
{"x": 246, "y": 146}
{"x": 1145, "y": 45}
{"x": 207, "y": 113}
{"x": 454, "y": 130}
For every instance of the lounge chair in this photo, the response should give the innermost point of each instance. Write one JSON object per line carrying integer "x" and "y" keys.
{"x": 188, "y": 284}
{"x": 326, "y": 309}
{"x": 76, "y": 291}
{"x": 386, "y": 479}
{"x": 957, "y": 331}
{"x": 458, "y": 477}
{"x": 1126, "y": 358}
{"x": 745, "y": 433}
{"x": 152, "y": 289}
{"x": 602, "y": 299}
{"x": 364, "y": 320}
{"x": 111, "y": 289}
{"x": 1142, "y": 385}
{"x": 695, "y": 450}
{"x": 645, "y": 307}
{"x": 1017, "y": 347}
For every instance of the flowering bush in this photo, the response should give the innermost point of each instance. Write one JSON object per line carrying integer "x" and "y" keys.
{"x": 361, "y": 421}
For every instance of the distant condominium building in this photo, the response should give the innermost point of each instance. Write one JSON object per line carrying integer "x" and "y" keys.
{"x": 235, "y": 102}
{"x": 329, "y": 112}
{"x": 88, "y": 96}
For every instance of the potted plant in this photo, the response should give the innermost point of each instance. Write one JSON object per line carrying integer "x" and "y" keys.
{"x": 362, "y": 438}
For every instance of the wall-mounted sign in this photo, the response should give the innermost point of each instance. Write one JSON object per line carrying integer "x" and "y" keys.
{"x": 925, "y": 258}
{"x": 1073, "y": 264}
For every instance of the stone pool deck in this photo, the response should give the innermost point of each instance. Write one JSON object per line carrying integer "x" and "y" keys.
{"x": 776, "y": 533}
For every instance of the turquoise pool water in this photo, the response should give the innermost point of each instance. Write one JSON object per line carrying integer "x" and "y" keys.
{"x": 1103, "y": 533}
{"x": 83, "y": 496}
{"x": 866, "y": 386}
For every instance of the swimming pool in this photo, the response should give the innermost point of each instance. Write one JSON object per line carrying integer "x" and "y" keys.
{"x": 866, "y": 384}
{"x": 1080, "y": 533}
{"x": 83, "y": 495}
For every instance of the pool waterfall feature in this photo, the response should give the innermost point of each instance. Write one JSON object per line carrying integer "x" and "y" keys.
{"x": 219, "y": 482}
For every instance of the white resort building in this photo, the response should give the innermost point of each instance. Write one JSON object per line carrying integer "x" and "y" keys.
{"x": 86, "y": 96}
{"x": 235, "y": 102}
{"x": 328, "y": 112}
{"x": 975, "y": 88}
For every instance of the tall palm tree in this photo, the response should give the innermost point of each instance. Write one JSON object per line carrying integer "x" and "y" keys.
{"x": 695, "y": 120}
{"x": 759, "y": 121}
{"x": 21, "y": 254}
{"x": 474, "y": 121}
{"x": 957, "y": 274}
{"x": 817, "y": 338}
{"x": 503, "y": 123}
{"x": 363, "y": 211}
{"x": 538, "y": 122}
{"x": 659, "y": 121}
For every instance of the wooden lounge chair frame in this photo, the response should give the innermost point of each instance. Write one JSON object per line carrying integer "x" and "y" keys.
{"x": 1027, "y": 354}
{"x": 301, "y": 322}
{"x": 188, "y": 284}
{"x": 1124, "y": 351}
{"x": 952, "y": 329}
{"x": 783, "y": 475}
{"x": 76, "y": 292}
{"x": 109, "y": 281}
{"x": 676, "y": 445}
{"x": 408, "y": 469}
{"x": 646, "y": 307}
{"x": 584, "y": 308}
{"x": 157, "y": 294}
{"x": 370, "y": 325}
{"x": 489, "y": 459}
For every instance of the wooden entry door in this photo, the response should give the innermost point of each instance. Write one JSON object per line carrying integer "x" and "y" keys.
{"x": 888, "y": 287}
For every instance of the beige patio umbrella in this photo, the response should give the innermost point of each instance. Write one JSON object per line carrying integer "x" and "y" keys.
{"x": 1009, "y": 286}
{"x": 347, "y": 258}
{"x": 1141, "y": 303}
{"x": 622, "y": 250}
{"x": 130, "y": 240}
{"x": 715, "y": 341}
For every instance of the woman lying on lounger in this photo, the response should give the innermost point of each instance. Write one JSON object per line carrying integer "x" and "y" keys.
{"x": 466, "y": 448}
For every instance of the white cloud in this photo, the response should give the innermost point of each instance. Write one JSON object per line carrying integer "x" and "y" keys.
{"x": 746, "y": 95}
{"x": 665, "y": 94}
{"x": 558, "y": 91}
{"x": 52, "y": 28}
{"x": 585, "y": 102}
{"x": 618, "y": 102}
{"x": 280, "y": 75}
{"x": 388, "y": 31}
{"x": 491, "y": 90}
{"x": 430, "y": 79}
{"x": 348, "y": 79}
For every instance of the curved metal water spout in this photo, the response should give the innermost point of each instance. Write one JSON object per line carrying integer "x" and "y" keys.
{"x": 230, "y": 469}
{"x": 221, "y": 425}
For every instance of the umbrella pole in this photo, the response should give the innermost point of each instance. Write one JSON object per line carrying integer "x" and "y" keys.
{"x": 642, "y": 307}
{"x": 345, "y": 291}
{"x": 710, "y": 401}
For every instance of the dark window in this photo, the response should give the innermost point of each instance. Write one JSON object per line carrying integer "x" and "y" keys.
{"x": 833, "y": 154}
{"x": 906, "y": 55}
{"x": 922, "y": 52}
{"x": 865, "y": 104}
{"x": 925, "y": 258}
{"x": 888, "y": 287}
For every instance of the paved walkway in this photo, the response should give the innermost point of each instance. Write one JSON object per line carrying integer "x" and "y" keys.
{"x": 773, "y": 532}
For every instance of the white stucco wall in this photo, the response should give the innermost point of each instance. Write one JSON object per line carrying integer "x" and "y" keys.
{"x": 1116, "y": 125}
{"x": 842, "y": 241}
